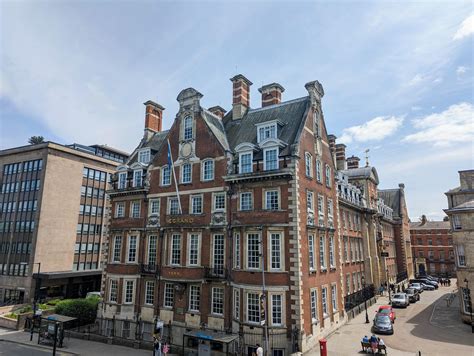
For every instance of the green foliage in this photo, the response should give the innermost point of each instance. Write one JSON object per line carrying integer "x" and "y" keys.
{"x": 25, "y": 309}
{"x": 11, "y": 316}
{"x": 85, "y": 310}
{"x": 53, "y": 302}
{"x": 34, "y": 140}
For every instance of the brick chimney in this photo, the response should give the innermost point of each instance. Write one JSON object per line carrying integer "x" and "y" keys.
{"x": 271, "y": 94}
{"x": 423, "y": 220}
{"x": 341, "y": 156}
{"x": 332, "y": 142}
{"x": 240, "y": 96}
{"x": 218, "y": 111}
{"x": 153, "y": 117}
{"x": 353, "y": 162}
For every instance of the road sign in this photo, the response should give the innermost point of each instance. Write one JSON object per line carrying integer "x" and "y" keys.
{"x": 384, "y": 254}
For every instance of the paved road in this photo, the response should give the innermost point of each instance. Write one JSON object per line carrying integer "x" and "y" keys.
{"x": 8, "y": 348}
{"x": 427, "y": 326}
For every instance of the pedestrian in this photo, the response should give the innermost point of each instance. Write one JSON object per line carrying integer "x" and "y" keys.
{"x": 449, "y": 282}
{"x": 381, "y": 343}
{"x": 373, "y": 343}
{"x": 259, "y": 350}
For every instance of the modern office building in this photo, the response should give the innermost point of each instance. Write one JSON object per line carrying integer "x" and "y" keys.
{"x": 52, "y": 218}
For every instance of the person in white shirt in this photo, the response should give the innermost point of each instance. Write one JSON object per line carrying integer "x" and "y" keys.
{"x": 259, "y": 350}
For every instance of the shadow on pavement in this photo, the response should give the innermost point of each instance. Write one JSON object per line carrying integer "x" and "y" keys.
{"x": 447, "y": 327}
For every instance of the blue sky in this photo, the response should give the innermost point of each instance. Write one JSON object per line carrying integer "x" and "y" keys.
{"x": 397, "y": 76}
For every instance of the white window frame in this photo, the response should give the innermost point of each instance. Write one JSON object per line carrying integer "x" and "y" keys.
{"x": 273, "y": 297}
{"x": 241, "y": 154}
{"x": 192, "y": 204}
{"x": 236, "y": 296}
{"x": 254, "y": 264}
{"x": 267, "y": 131}
{"x": 313, "y": 295}
{"x": 311, "y": 253}
{"x": 237, "y": 249}
{"x": 137, "y": 178}
{"x": 144, "y": 153}
{"x": 154, "y": 207}
{"x": 457, "y": 222}
{"x": 147, "y": 292}
{"x": 324, "y": 301}
{"x": 250, "y": 193}
{"x": 168, "y": 287}
{"x": 460, "y": 255}
{"x": 322, "y": 252}
{"x": 217, "y": 301}
{"x": 194, "y": 305}
{"x": 332, "y": 257}
{"x": 164, "y": 183}
{"x": 266, "y": 201}
{"x": 172, "y": 250}
{"x": 191, "y": 237}
{"x": 190, "y": 173}
{"x": 308, "y": 164}
{"x": 203, "y": 170}
{"x": 310, "y": 201}
{"x": 113, "y": 281}
{"x": 136, "y": 249}
{"x": 133, "y": 204}
{"x": 119, "y": 250}
{"x": 214, "y": 198}
{"x": 327, "y": 175}
{"x": 120, "y": 209}
{"x": 125, "y": 285}
{"x": 247, "y": 304}
{"x": 279, "y": 252}
{"x": 265, "y": 163}
{"x": 334, "y": 297}
{"x": 170, "y": 199}
{"x": 188, "y": 119}
{"x": 122, "y": 180}
{"x": 152, "y": 245}
{"x": 319, "y": 173}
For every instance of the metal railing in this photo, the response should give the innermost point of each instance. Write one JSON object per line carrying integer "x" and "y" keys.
{"x": 359, "y": 297}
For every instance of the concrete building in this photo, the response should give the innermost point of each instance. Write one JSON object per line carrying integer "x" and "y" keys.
{"x": 52, "y": 214}
{"x": 461, "y": 215}
{"x": 432, "y": 246}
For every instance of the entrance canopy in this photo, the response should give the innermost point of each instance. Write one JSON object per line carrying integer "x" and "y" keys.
{"x": 212, "y": 336}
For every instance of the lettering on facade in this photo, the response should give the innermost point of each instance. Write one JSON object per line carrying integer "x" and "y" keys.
{"x": 180, "y": 220}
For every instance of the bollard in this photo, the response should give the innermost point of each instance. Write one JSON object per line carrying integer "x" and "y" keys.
{"x": 323, "y": 347}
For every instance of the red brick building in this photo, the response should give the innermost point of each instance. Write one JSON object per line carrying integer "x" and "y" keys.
{"x": 432, "y": 245}
{"x": 249, "y": 252}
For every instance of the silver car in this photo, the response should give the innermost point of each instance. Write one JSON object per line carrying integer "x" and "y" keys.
{"x": 400, "y": 300}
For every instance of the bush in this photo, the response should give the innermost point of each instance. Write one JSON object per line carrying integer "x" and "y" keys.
{"x": 53, "y": 302}
{"x": 85, "y": 310}
{"x": 11, "y": 316}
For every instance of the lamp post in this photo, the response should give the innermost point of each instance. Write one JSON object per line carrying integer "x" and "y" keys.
{"x": 469, "y": 302}
{"x": 388, "y": 286}
{"x": 365, "y": 300}
{"x": 35, "y": 298}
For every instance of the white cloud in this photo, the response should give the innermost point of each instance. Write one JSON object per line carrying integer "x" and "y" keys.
{"x": 454, "y": 125}
{"x": 373, "y": 130}
{"x": 466, "y": 28}
{"x": 416, "y": 108}
{"x": 417, "y": 79}
{"x": 461, "y": 70}
{"x": 437, "y": 80}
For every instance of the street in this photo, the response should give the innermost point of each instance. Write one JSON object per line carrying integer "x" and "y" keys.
{"x": 428, "y": 326}
{"x": 8, "y": 348}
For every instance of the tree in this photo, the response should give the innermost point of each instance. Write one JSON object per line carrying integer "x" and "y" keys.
{"x": 34, "y": 140}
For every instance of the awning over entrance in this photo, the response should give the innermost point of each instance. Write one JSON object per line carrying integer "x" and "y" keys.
{"x": 67, "y": 274}
{"x": 212, "y": 336}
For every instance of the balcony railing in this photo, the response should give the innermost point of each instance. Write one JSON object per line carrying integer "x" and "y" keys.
{"x": 129, "y": 185}
{"x": 216, "y": 272}
{"x": 357, "y": 298}
{"x": 149, "y": 268}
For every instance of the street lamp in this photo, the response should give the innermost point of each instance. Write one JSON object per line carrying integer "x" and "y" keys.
{"x": 389, "y": 289}
{"x": 365, "y": 300}
{"x": 469, "y": 302}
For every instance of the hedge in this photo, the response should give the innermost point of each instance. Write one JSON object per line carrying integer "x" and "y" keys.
{"x": 85, "y": 310}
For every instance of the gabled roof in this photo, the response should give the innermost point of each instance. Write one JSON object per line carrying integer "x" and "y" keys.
{"x": 217, "y": 127}
{"x": 290, "y": 113}
{"x": 391, "y": 197}
{"x": 154, "y": 143}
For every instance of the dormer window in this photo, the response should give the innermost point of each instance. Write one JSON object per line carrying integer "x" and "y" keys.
{"x": 144, "y": 156}
{"x": 267, "y": 131}
{"x": 137, "y": 177}
{"x": 270, "y": 160}
{"x": 188, "y": 128}
{"x": 122, "y": 180}
{"x": 245, "y": 162}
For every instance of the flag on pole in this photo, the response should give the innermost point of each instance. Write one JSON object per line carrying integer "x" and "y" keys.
{"x": 171, "y": 166}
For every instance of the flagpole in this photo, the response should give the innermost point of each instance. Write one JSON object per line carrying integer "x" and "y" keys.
{"x": 174, "y": 176}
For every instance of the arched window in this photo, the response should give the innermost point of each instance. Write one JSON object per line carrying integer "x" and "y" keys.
{"x": 308, "y": 164}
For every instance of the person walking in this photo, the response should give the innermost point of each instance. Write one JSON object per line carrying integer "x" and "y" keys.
{"x": 259, "y": 350}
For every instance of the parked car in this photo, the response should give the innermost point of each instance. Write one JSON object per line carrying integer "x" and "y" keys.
{"x": 387, "y": 310}
{"x": 427, "y": 286}
{"x": 416, "y": 286}
{"x": 382, "y": 324}
{"x": 425, "y": 281}
{"x": 413, "y": 295}
{"x": 400, "y": 300}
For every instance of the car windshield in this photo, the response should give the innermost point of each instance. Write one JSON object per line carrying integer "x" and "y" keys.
{"x": 384, "y": 311}
{"x": 399, "y": 296}
{"x": 410, "y": 291}
{"x": 382, "y": 319}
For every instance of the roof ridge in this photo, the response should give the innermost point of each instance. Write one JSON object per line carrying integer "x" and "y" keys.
{"x": 278, "y": 105}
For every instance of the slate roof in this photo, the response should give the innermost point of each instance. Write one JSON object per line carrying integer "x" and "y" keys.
{"x": 289, "y": 113}
{"x": 217, "y": 127}
{"x": 430, "y": 225}
{"x": 154, "y": 143}
{"x": 366, "y": 172}
{"x": 391, "y": 197}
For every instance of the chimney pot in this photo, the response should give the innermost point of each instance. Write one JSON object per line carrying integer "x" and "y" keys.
{"x": 271, "y": 94}
{"x": 153, "y": 116}
{"x": 240, "y": 96}
{"x": 341, "y": 156}
{"x": 353, "y": 162}
{"x": 218, "y": 111}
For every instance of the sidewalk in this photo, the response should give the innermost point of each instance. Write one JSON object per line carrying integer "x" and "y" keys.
{"x": 73, "y": 346}
{"x": 346, "y": 340}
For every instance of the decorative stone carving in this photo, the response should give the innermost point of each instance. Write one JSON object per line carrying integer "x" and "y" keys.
{"x": 218, "y": 218}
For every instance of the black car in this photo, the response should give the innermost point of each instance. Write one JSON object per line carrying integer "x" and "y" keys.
{"x": 413, "y": 295}
{"x": 382, "y": 324}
